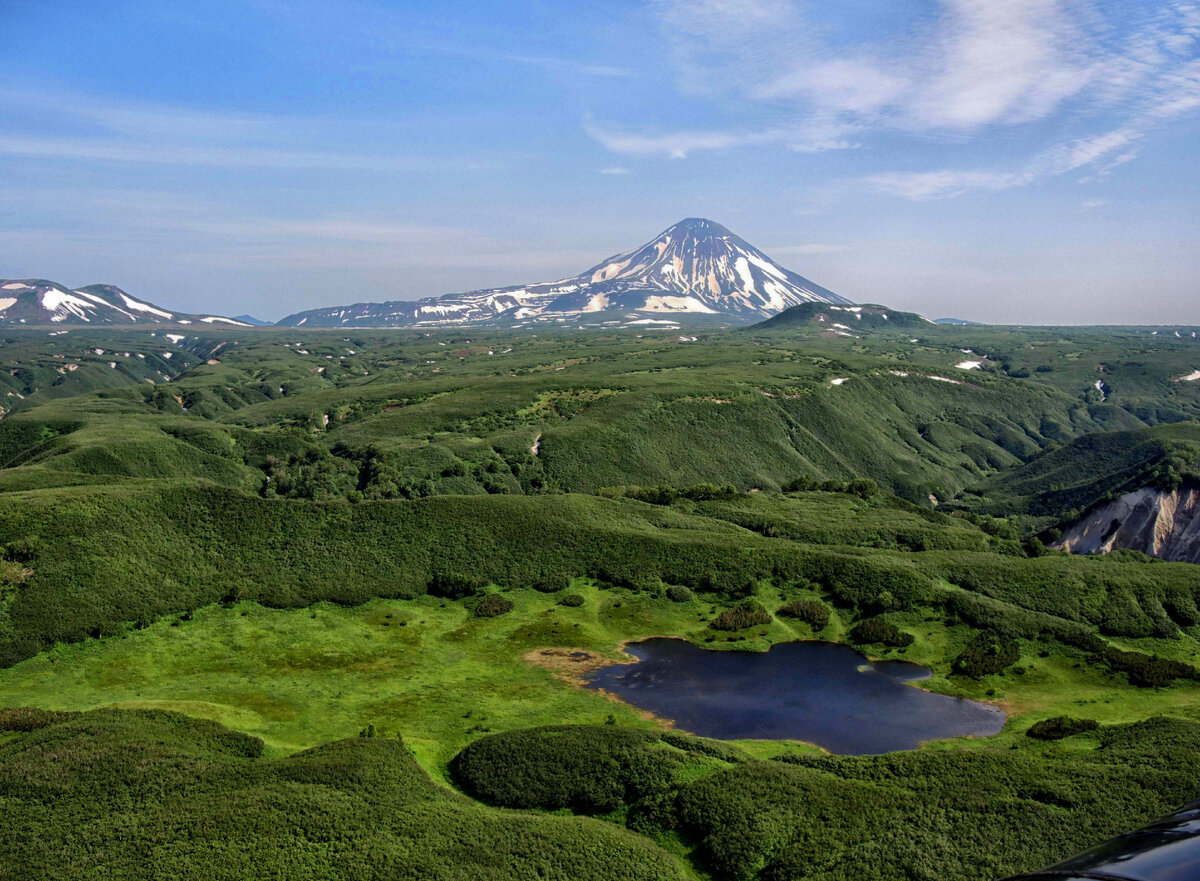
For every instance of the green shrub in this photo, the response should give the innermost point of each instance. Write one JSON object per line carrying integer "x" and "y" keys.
{"x": 987, "y": 653}
{"x": 878, "y": 631}
{"x": 748, "y": 613}
{"x": 28, "y": 718}
{"x": 677, "y": 593}
{"x": 455, "y": 587}
{"x": 551, "y": 582}
{"x": 573, "y": 600}
{"x": 1059, "y": 727}
{"x": 1147, "y": 671}
{"x": 813, "y": 612}
{"x": 493, "y": 605}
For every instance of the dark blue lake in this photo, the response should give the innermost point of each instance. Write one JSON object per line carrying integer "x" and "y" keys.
{"x": 818, "y": 692}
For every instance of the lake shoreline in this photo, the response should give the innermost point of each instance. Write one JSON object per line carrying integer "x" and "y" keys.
{"x": 823, "y": 671}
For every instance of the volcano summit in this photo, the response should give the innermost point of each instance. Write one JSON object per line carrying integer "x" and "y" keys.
{"x": 694, "y": 268}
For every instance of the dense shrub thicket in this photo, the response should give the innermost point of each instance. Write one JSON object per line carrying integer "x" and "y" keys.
{"x": 662, "y": 494}
{"x": 551, "y": 582}
{"x": 27, "y": 718}
{"x": 813, "y": 612}
{"x": 948, "y": 815}
{"x": 1059, "y": 727}
{"x": 877, "y": 631}
{"x": 1147, "y": 671}
{"x": 936, "y": 814}
{"x": 454, "y": 586}
{"x": 145, "y": 795}
{"x": 862, "y": 487}
{"x": 101, "y": 558}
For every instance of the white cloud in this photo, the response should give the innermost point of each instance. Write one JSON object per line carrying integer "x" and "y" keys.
{"x": 972, "y": 66}
{"x": 614, "y": 170}
{"x": 677, "y": 145}
{"x": 996, "y": 61}
{"x": 840, "y": 84}
{"x": 924, "y": 185}
{"x": 1093, "y": 153}
{"x": 976, "y": 63}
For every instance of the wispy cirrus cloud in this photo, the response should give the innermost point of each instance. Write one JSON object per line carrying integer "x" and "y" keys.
{"x": 87, "y": 129}
{"x": 679, "y": 144}
{"x": 973, "y": 67}
{"x": 1095, "y": 153}
{"x": 676, "y": 145}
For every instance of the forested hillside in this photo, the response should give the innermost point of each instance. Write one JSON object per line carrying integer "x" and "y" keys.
{"x": 312, "y": 535}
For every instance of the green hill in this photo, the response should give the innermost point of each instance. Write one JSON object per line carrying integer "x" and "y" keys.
{"x": 1062, "y": 483}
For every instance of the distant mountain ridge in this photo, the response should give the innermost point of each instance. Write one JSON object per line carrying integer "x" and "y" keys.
{"x": 694, "y": 269}
{"x": 39, "y": 301}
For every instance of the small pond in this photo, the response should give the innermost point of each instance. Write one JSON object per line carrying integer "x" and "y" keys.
{"x": 817, "y": 692}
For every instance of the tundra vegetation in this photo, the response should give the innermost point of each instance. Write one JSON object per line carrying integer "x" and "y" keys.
{"x": 304, "y": 597}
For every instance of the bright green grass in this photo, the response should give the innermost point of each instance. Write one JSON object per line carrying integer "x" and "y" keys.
{"x": 424, "y": 669}
{"x": 427, "y": 670}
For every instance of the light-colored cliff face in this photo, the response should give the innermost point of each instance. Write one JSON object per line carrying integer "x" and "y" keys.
{"x": 1162, "y": 524}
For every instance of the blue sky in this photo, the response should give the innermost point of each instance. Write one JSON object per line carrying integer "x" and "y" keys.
{"x": 1006, "y": 160}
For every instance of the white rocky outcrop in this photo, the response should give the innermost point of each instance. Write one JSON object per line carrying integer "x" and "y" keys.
{"x": 1161, "y": 523}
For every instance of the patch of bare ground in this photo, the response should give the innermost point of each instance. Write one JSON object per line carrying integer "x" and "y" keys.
{"x": 571, "y": 665}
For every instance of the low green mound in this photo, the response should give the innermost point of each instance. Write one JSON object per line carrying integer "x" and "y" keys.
{"x": 589, "y": 769}
{"x": 1060, "y": 727}
{"x": 855, "y": 319}
{"x": 136, "y": 794}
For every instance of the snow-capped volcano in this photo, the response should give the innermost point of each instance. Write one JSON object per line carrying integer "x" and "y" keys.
{"x": 36, "y": 301}
{"x": 694, "y": 268}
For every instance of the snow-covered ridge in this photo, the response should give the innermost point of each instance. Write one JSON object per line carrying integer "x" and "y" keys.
{"x": 38, "y": 301}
